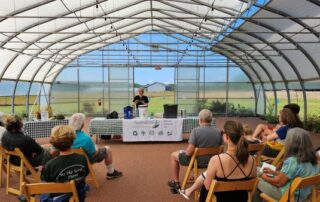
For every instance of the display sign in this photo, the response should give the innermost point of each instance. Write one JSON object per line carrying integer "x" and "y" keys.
{"x": 152, "y": 130}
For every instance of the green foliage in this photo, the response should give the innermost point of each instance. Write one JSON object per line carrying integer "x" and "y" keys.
{"x": 59, "y": 117}
{"x": 219, "y": 107}
{"x": 270, "y": 117}
{"x": 202, "y": 104}
{"x": 136, "y": 85}
{"x": 313, "y": 123}
{"x": 270, "y": 108}
{"x": 88, "y": 107}
{"x": 23, "y": 114}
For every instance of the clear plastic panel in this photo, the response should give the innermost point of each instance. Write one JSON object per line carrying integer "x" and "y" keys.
{"x": 5, "y": 57}
{"x": 241, "y": 90}
{"x": 313, "y": 100}
{"x": 16, "y": 66}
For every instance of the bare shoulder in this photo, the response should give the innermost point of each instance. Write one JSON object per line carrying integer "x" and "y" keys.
{"x": 216, "y": 158}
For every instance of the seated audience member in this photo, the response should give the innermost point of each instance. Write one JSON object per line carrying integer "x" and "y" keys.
{"x": 295, "y": 108}
{"x": 14, "y": 137}
{"x": 300, "y": 161}
{"x": 275, "y": 140}
{"x": 318, "y": 156}
{"x": 202, "y": 137}
{"x": 2, "y": 125}
{"x": 248, "y": 135}
{"x": 85, "y": 142}
{"x": 235, "y": 164}
{"x": 263, "y": 129}
{"x": 67, "y": 166}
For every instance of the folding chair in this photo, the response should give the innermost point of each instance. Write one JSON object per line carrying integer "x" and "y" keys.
{"x": 221, "y": 186}
{"x": 2, "y": 165}
{"x": 20, "y": 171}
{"x": 193, "y": 164}
{"x": 45, "y": 188}
{"x": 257, "y": 149}
{"x": 277, "y": 161}
{"x": 92, "y": 175}
{"x": 298, "y": 183}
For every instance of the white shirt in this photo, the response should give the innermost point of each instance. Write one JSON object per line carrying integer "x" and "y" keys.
{"x": 2, "y": 131}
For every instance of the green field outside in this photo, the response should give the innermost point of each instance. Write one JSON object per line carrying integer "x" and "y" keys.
{"x": 157, "y": 100}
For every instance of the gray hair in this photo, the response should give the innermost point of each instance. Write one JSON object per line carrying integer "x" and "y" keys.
{"x": 141, "y": 89}
{"x": 76, "y": 121}
{"x": 205, "y": 115}
{"x": 298, "y": 144}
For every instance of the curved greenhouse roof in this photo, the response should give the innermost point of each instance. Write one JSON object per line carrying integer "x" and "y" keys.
{"x": 275, "y": 42}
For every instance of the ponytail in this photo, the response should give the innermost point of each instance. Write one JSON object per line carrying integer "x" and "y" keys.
{"x": 234, "y": 131}
{"x": 242, "y": 153}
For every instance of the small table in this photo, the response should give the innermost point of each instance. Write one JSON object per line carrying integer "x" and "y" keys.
{"x": 40, "y": 129}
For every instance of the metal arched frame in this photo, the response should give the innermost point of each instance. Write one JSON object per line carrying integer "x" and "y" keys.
{"x": 256, "y": 74}
{"x": 270, "y": 78}
{"x": 283, "y": 55}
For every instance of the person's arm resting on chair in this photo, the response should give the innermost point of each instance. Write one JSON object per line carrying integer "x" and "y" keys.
{"x": 190, "y": 149}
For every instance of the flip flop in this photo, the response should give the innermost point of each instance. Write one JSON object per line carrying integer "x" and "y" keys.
{"x": 182, "y": 192}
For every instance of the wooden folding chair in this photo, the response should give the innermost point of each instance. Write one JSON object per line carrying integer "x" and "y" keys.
{"x": 50, "y": 188}
{"x": 193, "y": 164}
{"x": 257, "y": 149}
{"x": 20, "y": 171}
{"x": 277, "y": 161}
{"x": 222, "y": 186}
{"x": 92, "y": 175}
{"x": 298, "y": 183}
{"x": 2, "y": 165}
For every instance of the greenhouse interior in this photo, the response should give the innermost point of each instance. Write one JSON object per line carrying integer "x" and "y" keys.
{"x": 243, "y": 60}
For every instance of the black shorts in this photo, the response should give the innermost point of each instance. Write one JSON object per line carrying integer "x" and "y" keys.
{"x": 184, "y": 159}
{"x": 100, "y": 156}
{"x": 269, "y": 152}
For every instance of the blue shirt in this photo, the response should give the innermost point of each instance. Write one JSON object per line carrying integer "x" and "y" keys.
{"x": 282, "y": 132}
{"x": 83, "y": 140}
{"x": 292, "y": 169}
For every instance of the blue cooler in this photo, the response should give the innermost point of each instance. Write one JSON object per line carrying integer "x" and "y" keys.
{"x": 127, "y": 111}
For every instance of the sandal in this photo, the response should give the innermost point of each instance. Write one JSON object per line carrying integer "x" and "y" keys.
{"x": 182, "y": 192}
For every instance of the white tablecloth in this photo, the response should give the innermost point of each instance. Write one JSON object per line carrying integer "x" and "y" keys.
{"x": 107, "y": 127}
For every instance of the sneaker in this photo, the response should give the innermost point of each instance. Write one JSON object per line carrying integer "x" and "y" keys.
{"x": 115, "y": 174}
{"x": 174, "y": 185}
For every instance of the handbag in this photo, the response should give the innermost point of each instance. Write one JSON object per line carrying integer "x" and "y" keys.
{"x": 113, "y": 115}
